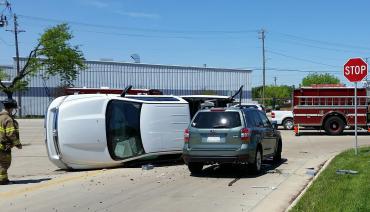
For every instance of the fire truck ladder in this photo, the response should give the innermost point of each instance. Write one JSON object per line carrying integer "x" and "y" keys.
{"x": 332, "y": 101}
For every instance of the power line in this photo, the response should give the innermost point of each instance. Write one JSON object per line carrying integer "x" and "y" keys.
{"x": 175, "y": 36}
{"x": 320, "y": 47}
{"x": 301, "y": 59}
{"x": 320, "y": 41}
{"x": 293, "y": 70}
{"x": 139, "y": 29}
{"x": 6, "y": 43}
{"x": 154, "y": 36}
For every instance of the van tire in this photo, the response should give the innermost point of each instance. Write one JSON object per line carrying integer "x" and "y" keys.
{"x": 195, "y": 168}
{"x": 334, "y": 125}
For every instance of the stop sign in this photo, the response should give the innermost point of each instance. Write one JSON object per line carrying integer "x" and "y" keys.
{"x": 355, "y": 69}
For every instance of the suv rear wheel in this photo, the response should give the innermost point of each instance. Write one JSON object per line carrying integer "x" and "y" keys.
{"x": 255, "y": 167}
{"x": 277, "y": 155}
{"x": 195, "y": 168}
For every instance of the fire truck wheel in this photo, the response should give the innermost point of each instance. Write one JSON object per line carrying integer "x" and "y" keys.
{"x": 334, "y": 125}
{"x": 288, "y": 124}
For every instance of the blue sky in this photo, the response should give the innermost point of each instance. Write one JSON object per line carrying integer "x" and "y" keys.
{"x": 301, "y": 36}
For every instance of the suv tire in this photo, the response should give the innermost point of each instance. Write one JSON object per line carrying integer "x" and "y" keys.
{"x": 195, "y": 168}
{"x": 255, "y": 167}
{"x": 288, "y": 124}
{"x": 334, "y": 125}
{"x": 277, "y": 155}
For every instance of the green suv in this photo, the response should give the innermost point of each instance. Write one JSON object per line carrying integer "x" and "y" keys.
{"x": 230, "y": 135}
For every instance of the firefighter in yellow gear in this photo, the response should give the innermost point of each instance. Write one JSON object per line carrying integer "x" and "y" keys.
{"x": 9, "y": 137}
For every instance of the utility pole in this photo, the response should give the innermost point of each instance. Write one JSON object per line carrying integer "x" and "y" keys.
{"x": 275, "y": 78}
{"x": 16, "y": 31}
{"x": 262, "y": 33}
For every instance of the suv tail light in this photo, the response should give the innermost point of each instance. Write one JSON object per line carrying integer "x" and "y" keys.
{"x": 186, "y": 135}
{"x": 272, "y": 115}
{"x": 245, "y": 135}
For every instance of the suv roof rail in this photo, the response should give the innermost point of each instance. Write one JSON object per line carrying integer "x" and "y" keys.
{"x": 207, "y": 105}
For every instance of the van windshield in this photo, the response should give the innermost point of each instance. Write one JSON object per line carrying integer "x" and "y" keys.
{"x": 123, "y": 129}
{"x": 216, "y": 120}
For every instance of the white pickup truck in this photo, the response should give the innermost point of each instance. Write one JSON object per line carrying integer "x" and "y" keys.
{"x": 282, "y": 118}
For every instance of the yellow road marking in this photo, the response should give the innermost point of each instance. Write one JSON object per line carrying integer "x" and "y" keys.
{"x": 48, "y": 184}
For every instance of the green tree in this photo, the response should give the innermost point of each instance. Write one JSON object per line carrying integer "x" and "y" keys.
{"x": 280, "y": 92}
{"x": 273, "y": 94}
{"x": 316, "y": 78}
{"x": 54, "y": 54}
{"x": 257, "y": 92}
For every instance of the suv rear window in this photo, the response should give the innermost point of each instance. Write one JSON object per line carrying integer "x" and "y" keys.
{"x": 217, "y": 120}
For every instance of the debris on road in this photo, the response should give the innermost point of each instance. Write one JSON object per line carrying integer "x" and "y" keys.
{"x": 311, "y": 172}
{"x": 233, "y": 181}
{"x": 161, "y": 175}
{"x": 274, "y": 171}
{"x": 147, "y": 167}
{"x": 344, "y": 171}
{"x": 268, "y": 187}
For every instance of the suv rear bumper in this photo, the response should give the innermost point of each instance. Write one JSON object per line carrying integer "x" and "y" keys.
{"x": 217, "y": 159}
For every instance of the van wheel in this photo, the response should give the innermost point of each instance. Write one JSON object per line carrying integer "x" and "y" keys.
{"x": 288, "y": 124}
{"x": 277, "y": 155}
{"x": 255, "y": 167}
{"x": 334, "y": 125}
{"x": 195, "y": 168}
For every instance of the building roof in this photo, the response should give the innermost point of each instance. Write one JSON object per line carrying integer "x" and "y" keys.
{"x": 162, "y": 66}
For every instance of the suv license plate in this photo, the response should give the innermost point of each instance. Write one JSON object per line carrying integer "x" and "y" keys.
{"x": 213, "y": 139}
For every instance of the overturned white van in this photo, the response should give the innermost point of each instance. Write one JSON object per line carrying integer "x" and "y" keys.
{"x": 99, "y": 130}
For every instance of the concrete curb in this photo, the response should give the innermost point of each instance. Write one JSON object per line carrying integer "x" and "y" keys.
{"x": 310, "y": 183}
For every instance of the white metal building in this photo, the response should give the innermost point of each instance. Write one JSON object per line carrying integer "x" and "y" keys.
{"x": 170, "y": 79}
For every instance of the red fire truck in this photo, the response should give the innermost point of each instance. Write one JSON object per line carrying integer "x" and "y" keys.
{"x": 330, "y": 107}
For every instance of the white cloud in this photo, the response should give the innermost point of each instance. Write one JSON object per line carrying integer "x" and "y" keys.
{"x": 105, "y": 4}
{"x": 97, "y": 3}
{"x": 138, "y": 14}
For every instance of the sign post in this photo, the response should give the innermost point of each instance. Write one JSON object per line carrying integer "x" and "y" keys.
{"x": 356, "y": 144}
{"x": 355, "y": 70}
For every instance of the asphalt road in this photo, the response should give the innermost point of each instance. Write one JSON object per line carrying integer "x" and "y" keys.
{"x": 39, "y": 186}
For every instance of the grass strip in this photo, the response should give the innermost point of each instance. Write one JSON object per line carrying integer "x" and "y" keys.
{"x": 340, "y": 192}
